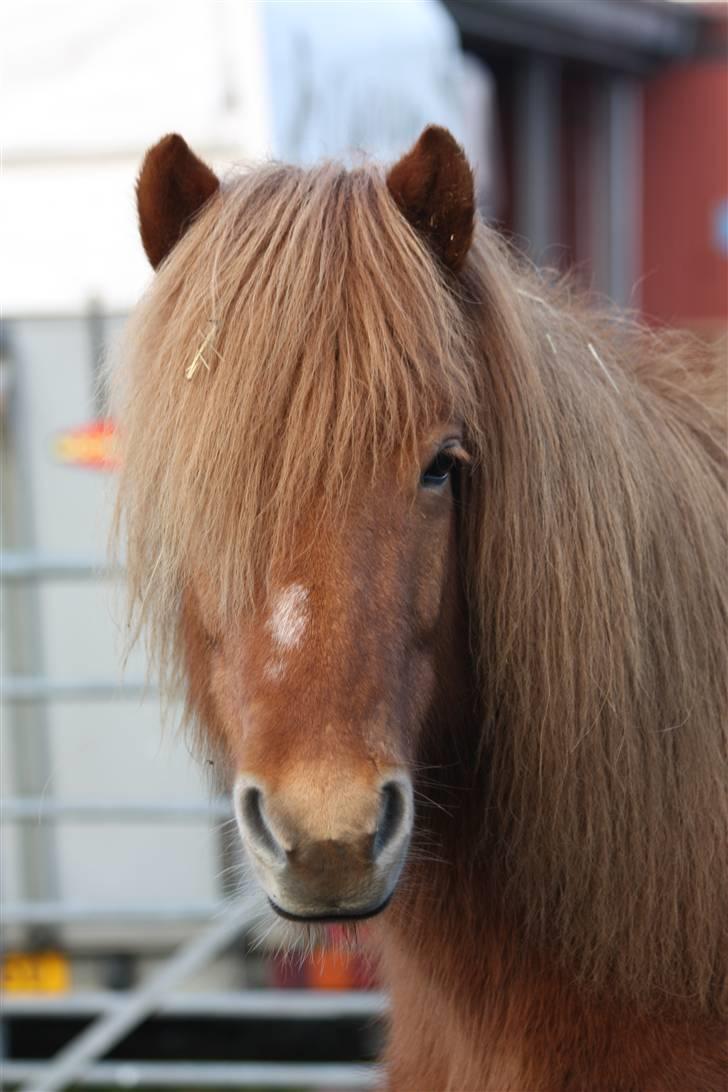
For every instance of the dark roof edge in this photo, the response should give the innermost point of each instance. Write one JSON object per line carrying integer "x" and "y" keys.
{"x": 631, "y": 35}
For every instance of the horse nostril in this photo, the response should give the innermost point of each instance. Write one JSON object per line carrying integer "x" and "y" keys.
{"x": 253, "y": 825}
{"x": 394, "y": 817}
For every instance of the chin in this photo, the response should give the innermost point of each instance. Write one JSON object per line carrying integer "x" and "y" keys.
{"x": 281, "y": 925}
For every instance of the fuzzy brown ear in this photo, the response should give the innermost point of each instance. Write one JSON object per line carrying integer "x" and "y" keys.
{"x": 433, "y": 188}
{"x": 173, "y": 186}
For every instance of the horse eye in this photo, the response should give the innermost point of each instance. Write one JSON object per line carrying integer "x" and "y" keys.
{"x": 437, "y": 473}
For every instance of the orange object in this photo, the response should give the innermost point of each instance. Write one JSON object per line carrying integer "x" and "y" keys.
{"x": 92, "y": 446}
{"x": 332, "y": 969}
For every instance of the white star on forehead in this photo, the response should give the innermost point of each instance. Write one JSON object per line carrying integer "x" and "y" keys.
{"x": 289, "y": 616}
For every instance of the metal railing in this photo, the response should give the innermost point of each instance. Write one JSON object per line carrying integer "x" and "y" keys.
{"x": 262, "y": 1003}
{"x": 212, "y": 1074}
{"x": 69, "y": 912}
{"x": 24, "y": 565}
{"x": 28, "y": 688}
{"x": 35, "y": 809}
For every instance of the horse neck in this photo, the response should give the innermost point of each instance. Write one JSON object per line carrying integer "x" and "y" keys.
{"x": 503, "y": 1008}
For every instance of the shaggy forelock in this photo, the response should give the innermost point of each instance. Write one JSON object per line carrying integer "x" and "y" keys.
{"x": 331, "y": 345}
{"x": 594, "y": 525}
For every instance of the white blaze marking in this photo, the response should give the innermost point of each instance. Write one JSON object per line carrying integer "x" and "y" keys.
{"x": 289, "y": 617}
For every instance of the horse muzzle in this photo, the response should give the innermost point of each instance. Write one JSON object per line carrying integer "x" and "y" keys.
{"x": 334, "y": 860}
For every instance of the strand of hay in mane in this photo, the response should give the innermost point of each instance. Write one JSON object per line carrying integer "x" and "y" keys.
{"x": 206, "y": 346}
{"x": 602, "y": 365}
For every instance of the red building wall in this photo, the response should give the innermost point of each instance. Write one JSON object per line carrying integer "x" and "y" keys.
{"x": 685, "y": 269}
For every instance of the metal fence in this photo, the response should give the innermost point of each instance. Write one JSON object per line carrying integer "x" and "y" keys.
{"x": 115, "y": 1014}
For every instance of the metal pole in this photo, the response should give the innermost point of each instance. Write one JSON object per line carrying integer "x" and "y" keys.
{"x": 25, "y": 689}
{"x": 71, "y": 1062}
{"x": 36, "y": 809}
{"x": 96, "y": 326}
{"x": 257, "y": 1004}
{"x": 30, "y": 747}
{"x": 67, "y": 912}
{"x": 22, "y": 565}
{"x": 538, "y": 155}
{"x": 237, "y": 1075}
{"x": 616, "y": 175}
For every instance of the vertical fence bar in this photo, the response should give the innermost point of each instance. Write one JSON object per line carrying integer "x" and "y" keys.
{"x": 30, "y": 743}
{"x": 616, "y": 182}
{"x": 538, "y": 155}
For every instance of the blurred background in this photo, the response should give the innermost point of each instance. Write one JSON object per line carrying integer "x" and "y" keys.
{"x": 599, "y": 134}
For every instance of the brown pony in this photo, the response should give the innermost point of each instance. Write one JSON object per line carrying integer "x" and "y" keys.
{"x": 437, "y": 554}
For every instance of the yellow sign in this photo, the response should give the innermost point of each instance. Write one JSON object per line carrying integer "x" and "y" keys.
{"x": 35, "y": 972}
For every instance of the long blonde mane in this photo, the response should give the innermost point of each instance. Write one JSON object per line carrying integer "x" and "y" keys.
{"x": 594, "y": 521}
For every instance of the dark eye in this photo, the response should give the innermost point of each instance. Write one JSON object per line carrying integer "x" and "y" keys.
{"x": 437, "y": 473}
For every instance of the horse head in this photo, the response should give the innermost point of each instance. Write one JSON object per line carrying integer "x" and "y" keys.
{"x": 320, "y": 690}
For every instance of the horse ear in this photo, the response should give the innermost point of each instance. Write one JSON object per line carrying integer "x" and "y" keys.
{"x": 173, "y": 186}
{"x": 432, "y": 186}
